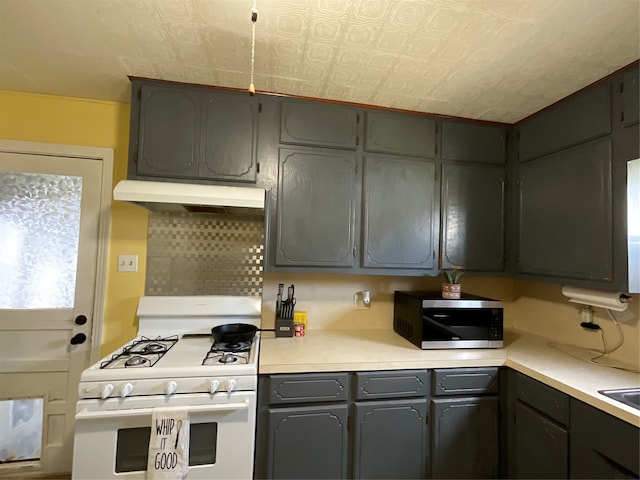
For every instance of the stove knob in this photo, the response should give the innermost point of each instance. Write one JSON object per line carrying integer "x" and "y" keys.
{"x": 127, "y": 388}
{"x": 214, "y": 385}
{"x": 172, "y": 386}
{"x": 231, "y": 384}
{"x": 106, "y": 390}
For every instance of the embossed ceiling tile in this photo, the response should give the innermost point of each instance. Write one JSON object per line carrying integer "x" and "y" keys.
{"x": 230, "y": 78}
{"x": 372, "y": 11}
{"x": 291, "y": 24}
{"x": 186, "y": 33}
{"x": 424, "y": 45}
{"x": 139, "y": 8}
{"x": 368, "y": 79}
{"x": 199, "y": 74}
{"x": 163, "y": 51}
{"x": 335, "y": 92}
{"x": 284, "y": 68}
{"x": 312, "y": 71}
{"x": 443, "y": 20}
{"x": 383, "y": 98}
{"x": 380, "y": 62}
{"x": 360, "y": 95}
{"x": 333, "y": 8}
{"x": 222, "y": 12}
{"x": 173, "y": 11}
{"x": 409, "y": 14}
{"x": 351, "y": 58}
{"x": 192, "y": 55}
{"x": 320, "y": 53}
{"x": 287, "y": 49}
{"x": 407, "y": 66}
{"x": 325, "y": 30}
{"x": 345, "y": 76}
{"x": 151, "y": 29}
{"x": 360, "y": 35}
{"x": 285, "y": 85}
{"x": 310, "y": 89}
{"x": 138, "y": 66}
{"x": 393, "y": 40}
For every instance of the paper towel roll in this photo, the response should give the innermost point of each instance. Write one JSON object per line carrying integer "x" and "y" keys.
{"x": 610, "y": 300}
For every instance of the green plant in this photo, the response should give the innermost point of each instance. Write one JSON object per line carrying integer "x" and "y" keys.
{"x": 452, "y": 276}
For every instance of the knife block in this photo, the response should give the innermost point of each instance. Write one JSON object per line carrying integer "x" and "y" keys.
{"x": 284, "y": 327}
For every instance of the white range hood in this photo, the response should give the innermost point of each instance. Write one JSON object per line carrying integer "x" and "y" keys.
{"x": 188, "y": 197}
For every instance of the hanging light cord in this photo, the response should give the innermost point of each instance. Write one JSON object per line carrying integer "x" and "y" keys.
{"x": 254, "y": 19}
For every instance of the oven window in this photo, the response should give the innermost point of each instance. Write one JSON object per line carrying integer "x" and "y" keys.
{"x": 133, "y": 446}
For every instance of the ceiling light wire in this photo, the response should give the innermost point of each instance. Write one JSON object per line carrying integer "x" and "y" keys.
{"x": 254, "y": 19}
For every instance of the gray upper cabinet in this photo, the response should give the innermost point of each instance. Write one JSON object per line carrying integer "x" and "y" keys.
{"x": 400, "y": 134}
{"x": 168, "y": 137}
{"x": 190, "y": 132}
{"x": 400, "y": 217}
{"x": 229, "y": 137}
{"x": 583, "y": 117}
{"x": 566, "y": 215}
{"x": 473, "y": 217}
{"x": 317, "y": 194}
{"x": 473, "y": 142}
{"x": 631, "y": 98}
{"x": 318, "y": 124}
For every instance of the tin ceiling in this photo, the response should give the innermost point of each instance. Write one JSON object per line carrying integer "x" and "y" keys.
{"x": 497, "y": 60}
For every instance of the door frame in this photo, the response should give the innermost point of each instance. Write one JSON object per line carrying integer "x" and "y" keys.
{"x": 105, "y": 155}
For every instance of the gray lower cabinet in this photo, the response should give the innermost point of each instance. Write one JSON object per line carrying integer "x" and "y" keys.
{"x": 602, "y": 446}
{"x": 195, "y": 133}
{"x": 317, "y": 198}
{"x": 399, "y": 213}
{"x": 465, "y": 423}
{"x": 566, "y": 214}
{"x": 538, "y": 429}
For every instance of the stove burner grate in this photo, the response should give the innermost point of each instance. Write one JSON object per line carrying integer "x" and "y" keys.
{"x": 143, "y": 352}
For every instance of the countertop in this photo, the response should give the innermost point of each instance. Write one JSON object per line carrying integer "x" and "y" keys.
{"x": 361, "y": 350}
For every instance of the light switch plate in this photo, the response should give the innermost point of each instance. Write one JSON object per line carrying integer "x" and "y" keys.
{"x": 128, "y": 263}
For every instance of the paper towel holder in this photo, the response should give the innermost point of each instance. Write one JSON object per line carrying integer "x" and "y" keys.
{"x": 615, "y": 303}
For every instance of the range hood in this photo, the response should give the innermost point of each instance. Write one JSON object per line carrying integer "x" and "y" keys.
{"x": 189, "y": 197}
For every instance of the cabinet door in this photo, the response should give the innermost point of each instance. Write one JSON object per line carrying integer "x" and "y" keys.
{"x": 229, "y": 137}
{"x": 472, "y": 142}
{"x": 464, "y": 438}
{"x": 631, "y": 98}
{"x": 581, "y": 118}
{"x": 168, "y": 143}
{"x": 399, "y": 213}
{"x": 541, "y": 445}
{"x": 400, "y": 134}
{"x": 566, "y": 213}
{"x": 307, "y": 442}
{"x": 390, "y": 439}
{"x": 473, "y": 212}
{"x": 317, "y": 195}
{"x": 318, "y": 124}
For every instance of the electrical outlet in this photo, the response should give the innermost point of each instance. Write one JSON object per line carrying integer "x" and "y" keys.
{"x": 362, "y": 300}
{"x": 128, "y": 263}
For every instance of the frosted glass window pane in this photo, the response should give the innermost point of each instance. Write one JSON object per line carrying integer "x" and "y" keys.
{"x": 20, "y": 429}
{"x": 39, "y": 225}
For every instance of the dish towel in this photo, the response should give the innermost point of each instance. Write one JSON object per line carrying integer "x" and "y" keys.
{"x": 169, "y": 444}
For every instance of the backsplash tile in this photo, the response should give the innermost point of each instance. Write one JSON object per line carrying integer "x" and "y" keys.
{"x": 203, "y": 254}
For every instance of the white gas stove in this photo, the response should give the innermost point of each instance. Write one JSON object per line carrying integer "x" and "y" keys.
{"x": 173, "y": 362}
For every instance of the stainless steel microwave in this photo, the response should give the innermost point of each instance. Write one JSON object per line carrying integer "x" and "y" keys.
{"x": 432, "y": 322}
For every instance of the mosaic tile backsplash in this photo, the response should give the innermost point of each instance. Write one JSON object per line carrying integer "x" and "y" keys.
{"x": 203, "y": 254}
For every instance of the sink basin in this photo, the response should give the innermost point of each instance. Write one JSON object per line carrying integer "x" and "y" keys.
{"x": 628, "y": 396}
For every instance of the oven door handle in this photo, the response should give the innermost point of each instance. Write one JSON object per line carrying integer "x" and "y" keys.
{"x": 138, "y": 412}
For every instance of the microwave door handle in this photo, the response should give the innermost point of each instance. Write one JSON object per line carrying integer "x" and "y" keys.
{"x": 440, "y": 327}
{"x": 138, "y": 412}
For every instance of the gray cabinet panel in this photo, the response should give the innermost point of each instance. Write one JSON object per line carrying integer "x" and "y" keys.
{"x": 376, "y": 385}
{"x": 390, "y": 439}
{"x": 310, "y": 387}
{"x": 318, "y": 124}
{"x": 472, "y": 142}
{"x": 473, "y": 217}
{"x": 317, "y": 195}
{"x": 168, "y": 132}
{"x": 229, "y": 137}
{"x": 601, "y": 445}
{"x": 631, "y": 98}
{"x": 399, "y": 213}
{"x": 307, "y": 442}
{"x": 464, "y": 438}
{"x": 455, "y": 381}
{"x": 580, "y": 118}
{"x": 400, "y": 134}
{"x": 545, "y": 399}
{"x": 565, "y": 213}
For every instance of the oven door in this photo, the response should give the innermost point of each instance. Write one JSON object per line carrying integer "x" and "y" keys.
{"x": 112, "y": 436}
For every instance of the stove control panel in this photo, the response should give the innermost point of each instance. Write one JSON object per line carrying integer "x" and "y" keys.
{"x": 151, "y": 386}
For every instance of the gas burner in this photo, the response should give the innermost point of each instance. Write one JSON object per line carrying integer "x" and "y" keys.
{"x": 154, "y": 348}
{"x": 136, "y": 361}
{"x": 231, "y": 347}
{"x": 227, "y": 358}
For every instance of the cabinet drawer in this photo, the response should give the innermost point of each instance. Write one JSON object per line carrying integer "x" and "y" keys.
{"x": 543, "y": 398}
{"x": 373, "y": 385}
{"x": 455, "y": 381}
{"x": 312, "y": 387}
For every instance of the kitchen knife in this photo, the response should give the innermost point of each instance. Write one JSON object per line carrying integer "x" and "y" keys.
{"x": 279, "y": 300}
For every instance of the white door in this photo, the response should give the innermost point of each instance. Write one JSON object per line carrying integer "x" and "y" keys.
{"x": 49, "y": 236}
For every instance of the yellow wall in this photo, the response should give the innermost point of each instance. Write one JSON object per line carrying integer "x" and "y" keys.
{"x": 73, "y": 121}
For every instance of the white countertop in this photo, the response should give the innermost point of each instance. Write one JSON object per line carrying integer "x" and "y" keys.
{"x": 360, "y": 350}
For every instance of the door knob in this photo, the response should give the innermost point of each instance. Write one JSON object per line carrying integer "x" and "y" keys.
{"x": 78, "y": 338}
{"x": 81, "y": 320}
